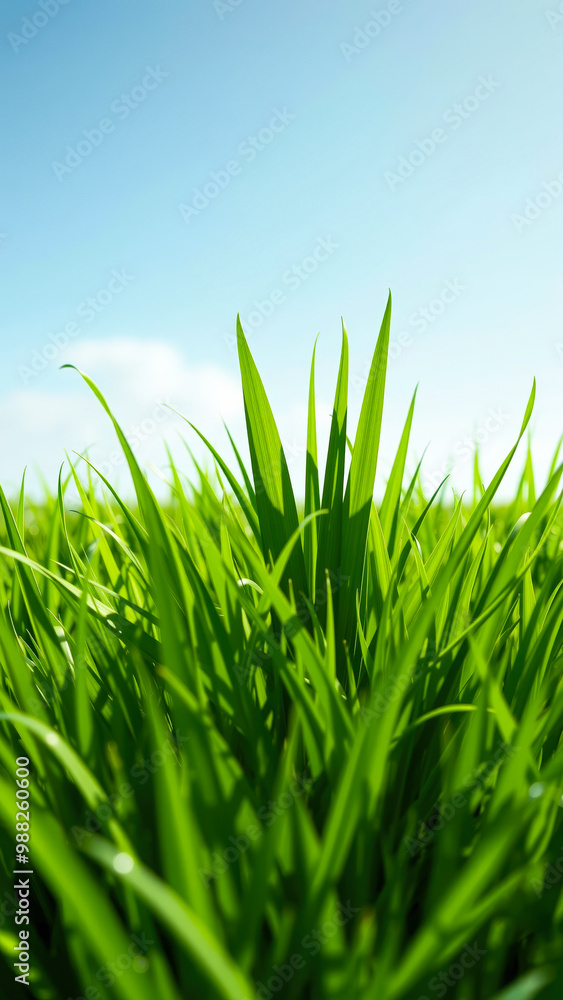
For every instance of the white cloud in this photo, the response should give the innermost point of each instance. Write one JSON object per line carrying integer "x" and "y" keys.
{"x": 140, "y": 381}
{"x": 147, "y": 371}
{"x": 57, "y": 412}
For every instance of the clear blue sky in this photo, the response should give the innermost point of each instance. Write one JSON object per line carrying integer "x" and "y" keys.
{"x": 349, "y": 96}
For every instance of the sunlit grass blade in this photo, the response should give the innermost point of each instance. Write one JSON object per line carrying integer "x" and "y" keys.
{"x": 361, "y": 481}
{"x": 277, "y": 510}
{"x": 330, "y": 529}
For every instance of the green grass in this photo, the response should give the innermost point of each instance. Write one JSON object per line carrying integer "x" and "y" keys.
{"x": 298, "y": 750}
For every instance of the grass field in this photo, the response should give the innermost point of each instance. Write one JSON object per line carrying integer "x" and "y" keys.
{"x": 283, "y": 743}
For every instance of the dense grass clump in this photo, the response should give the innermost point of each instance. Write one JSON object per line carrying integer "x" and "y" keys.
{"x": 287, "y": 752}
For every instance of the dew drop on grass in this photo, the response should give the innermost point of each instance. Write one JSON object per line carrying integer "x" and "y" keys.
{"x": 52, "y": 739}
{"x": 536, "y": 790}
{"x": 123, "y": 863}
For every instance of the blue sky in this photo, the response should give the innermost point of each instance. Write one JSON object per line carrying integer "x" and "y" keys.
{"x": 116, "y": 115}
